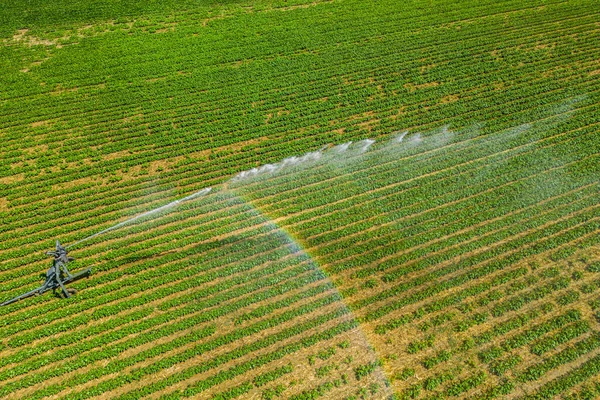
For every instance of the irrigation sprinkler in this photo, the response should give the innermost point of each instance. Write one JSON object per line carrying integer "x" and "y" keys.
{"x": 57, "y": 276}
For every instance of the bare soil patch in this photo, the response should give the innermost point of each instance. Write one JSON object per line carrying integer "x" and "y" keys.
{"x": 7, "y": 180}
{"x": 39, "y": 123}
{"x": 3, "y": 204}
{"x": 449, "y": 99}
{"x": 22, "y": 37}
{"x": 412, "y": 87}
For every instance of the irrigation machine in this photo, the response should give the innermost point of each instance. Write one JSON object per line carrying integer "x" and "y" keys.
{"x": 57, "y": 276}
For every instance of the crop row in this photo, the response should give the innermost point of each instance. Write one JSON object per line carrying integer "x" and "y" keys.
{"x": 221, "y": 287}
{"x": 567, "y": 355}
{"x": 434, "y": 305}
{"x": 576, "y": 375}
{"x": 529, "y": 335}
{"x": 564, "y": 335}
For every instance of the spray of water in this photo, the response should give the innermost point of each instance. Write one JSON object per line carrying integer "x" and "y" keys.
{"x": 144, "y": 215}
{"x": 365, "y": 144}
{"x": 270, "y": 168}
{"x": 400, "y": 136}
{"x": 326, "y": 154}
{"x": 341, "y": 148}
{"x": 416, "y": 139}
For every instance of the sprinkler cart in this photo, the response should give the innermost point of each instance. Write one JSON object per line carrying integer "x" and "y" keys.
{"x": 57, "y": 276}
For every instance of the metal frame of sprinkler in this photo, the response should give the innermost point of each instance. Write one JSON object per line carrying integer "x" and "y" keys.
{"x": 56, "y": 277}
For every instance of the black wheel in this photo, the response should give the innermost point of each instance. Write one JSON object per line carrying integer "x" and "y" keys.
{"x": 72, "y": 291}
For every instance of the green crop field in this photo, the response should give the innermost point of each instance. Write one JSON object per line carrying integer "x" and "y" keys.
{"x": 296, "y": 199}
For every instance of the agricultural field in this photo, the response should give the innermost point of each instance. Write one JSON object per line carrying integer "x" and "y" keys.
{"x": 298, "y": 199}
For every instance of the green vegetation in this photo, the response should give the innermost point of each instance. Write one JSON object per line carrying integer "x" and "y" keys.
{"x": 458, "y": 259}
